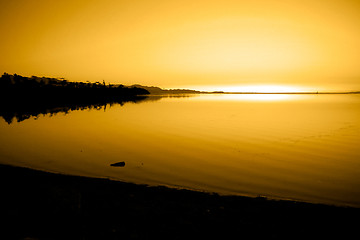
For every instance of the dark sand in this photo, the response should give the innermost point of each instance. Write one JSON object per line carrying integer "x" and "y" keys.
{"x": 40, "y": 205}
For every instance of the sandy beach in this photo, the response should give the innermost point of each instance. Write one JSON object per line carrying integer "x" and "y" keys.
{"x": 41, "y": 205}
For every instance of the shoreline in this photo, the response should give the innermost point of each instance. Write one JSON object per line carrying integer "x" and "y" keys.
{"x": 42, "y": 205}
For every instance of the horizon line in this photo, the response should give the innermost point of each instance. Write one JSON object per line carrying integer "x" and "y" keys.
{"x": 223, "y": 92}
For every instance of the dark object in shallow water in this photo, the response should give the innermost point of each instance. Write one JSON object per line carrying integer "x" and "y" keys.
{"x": 118, "y": 164}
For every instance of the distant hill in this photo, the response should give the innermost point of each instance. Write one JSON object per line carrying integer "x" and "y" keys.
{"x": 160, "y": 91}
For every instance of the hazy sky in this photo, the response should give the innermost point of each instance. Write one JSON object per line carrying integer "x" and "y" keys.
{"x": 183, "y": 43}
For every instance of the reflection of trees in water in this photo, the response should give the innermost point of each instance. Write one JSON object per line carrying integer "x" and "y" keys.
{"x": 22, "y": 112}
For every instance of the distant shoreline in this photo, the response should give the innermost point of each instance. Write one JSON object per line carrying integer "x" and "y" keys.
{"x": 286, "y": 93}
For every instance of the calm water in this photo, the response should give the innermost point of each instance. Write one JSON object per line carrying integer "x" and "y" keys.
{"x": 302, "y": 147}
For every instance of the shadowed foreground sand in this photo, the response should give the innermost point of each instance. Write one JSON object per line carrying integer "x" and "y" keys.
{"x": 40, "y": 205}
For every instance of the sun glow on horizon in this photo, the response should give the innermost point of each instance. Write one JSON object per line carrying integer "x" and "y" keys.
{"x": 252, "y": 88}
{"x": 252, "y": 97}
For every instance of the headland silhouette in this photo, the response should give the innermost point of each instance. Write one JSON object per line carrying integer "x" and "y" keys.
{"x": 23, "y": 97}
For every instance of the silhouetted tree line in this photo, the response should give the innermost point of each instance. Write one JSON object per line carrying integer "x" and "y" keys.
{"x": 62, "y": 90}
{"x": 22, "y": 97}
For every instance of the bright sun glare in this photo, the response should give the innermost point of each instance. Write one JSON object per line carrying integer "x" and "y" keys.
{"x": 262, "y": 89}
{"x": 253, "y": 97}
{"x": 252, "y": 88}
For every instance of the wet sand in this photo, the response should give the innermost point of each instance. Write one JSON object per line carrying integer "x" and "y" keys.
{"x": 41, "y": 205}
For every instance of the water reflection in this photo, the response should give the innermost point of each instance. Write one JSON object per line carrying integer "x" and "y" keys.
{"x": 25, "y": 111}
{"x": 304, "y": 148}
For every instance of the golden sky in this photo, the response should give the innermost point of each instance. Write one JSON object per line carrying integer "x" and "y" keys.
{"x": 184, "y": 43}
